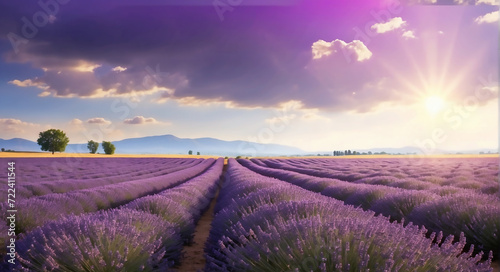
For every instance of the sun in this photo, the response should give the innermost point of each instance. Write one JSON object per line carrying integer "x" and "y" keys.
{"x": 434, "y": 104}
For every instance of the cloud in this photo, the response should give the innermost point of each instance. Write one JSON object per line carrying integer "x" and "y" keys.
{"x": 409, "y": 34}
{"x": 98, "y": 120}
{"x": 12, "y": 128}
{"x": 76, "y": 122}
{"x": 118, "y": 69}
{"x": 28, "y": 83}
{"x": 392, "y": 24}
{"x": 477, "y": 2}
{"x": 294, "y": 110}
{"x": 86, "y": 67}
{"x": 12, "y": 122}
{"x": 488, "y": 2}
{"x": 186, "y": 56}
{"x": 80, "y": 78}
{"x": 491, "y": 17}
{"x": 452, "y": 2}
{"x": 321, "y": 49}
{"x": 140, "y": 120}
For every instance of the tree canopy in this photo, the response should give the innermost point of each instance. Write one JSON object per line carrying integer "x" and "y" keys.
{"x": 92, "y": 146}
{"x": 53, "y": 140}
{"x": 108, "y": 147}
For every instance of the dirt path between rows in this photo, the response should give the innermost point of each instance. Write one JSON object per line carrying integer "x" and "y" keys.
{"x": 496, "y": 266}
{"x": 194, "y": 258}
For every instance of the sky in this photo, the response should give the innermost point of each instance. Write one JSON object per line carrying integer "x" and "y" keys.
{"x": 317, "y": 75}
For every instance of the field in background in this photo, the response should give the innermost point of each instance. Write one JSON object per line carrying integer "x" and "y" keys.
{"x": 88, "y": 155}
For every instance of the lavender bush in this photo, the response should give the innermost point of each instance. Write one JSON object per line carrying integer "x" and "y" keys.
{"x": 478, "y": 216}
{"x": 116, "y": 240}
{"x": 115, "y": 171}
{"x": 55, "y": 206}
{"x": 144, "y": 235}
{"x": 438, "y": 208}
{"x": 312, "y": 232}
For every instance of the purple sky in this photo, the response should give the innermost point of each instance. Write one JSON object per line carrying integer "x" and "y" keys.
{"x": 355, "y": 74}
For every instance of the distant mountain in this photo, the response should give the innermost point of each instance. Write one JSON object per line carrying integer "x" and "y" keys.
{"x": 19, "y": 144}
{"x": 169, "y": 144}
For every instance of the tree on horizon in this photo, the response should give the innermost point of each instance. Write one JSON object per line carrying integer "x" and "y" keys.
{"x": 108, "y": 147}
{"x": 53, "y": 140}
{"x": 92, "y": 146}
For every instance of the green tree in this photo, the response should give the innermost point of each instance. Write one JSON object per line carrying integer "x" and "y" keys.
{"x": 190, "y": 152}
{"x": 3, "y": 149}
{"x": 108, "y": 147}
{"x": 53, "y": 140}
{"x": 92, "y": 146}
{"x": 197, "y": 153}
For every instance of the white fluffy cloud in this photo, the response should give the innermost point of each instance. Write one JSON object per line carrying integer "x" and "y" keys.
{"x": 491, "y": 17}
{"x": 99, "y": 121}
{"x": 140, "y": 120}
{"x": 118, "y": 69}
{"x": 86, "y": 67}
{"x": 76, "y": 122}
{"x": 392, "y": 24}
{"x": 15, "y": 128}
{"x": 409, "y": 34}
{"x": 323, "y": 48}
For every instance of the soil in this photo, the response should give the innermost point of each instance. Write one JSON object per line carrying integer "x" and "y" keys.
{"x": 496, "y": 266}
{"x": 194, "y": 258}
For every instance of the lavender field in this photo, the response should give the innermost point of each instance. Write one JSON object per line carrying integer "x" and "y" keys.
{"x": 137, "y": 214}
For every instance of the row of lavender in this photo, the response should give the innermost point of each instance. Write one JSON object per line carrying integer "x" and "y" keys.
{"x": 453, "y": 211}
{"x": 479, "y": 174}
{"x": 36, "y": 170}
{"x": 36, "y": 211}
{"x": 264, "y": 224}
{"x": 108, "y": 172}
{"x": 144, "y": 235}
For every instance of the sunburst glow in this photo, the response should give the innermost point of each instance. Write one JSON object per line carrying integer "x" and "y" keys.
{"x": 434, "y": 104}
